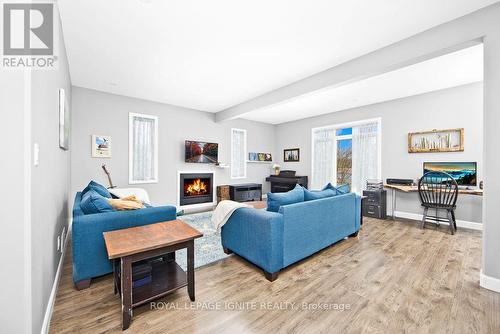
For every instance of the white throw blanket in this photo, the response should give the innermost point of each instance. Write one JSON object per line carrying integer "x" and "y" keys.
{"x": 223, "y": 212}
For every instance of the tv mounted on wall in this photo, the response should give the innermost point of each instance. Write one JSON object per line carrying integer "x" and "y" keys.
{"x": 201, "y": 152}
{"x": 465, "y": 173}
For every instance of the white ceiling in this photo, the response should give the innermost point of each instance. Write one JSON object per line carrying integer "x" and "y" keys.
{"x": 451, "y": 70}
{"x": 210, "y": 55}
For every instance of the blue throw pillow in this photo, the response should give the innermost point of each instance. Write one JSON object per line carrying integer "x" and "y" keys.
{"x": 100, "y": 189}
{"x": 92, "y": 202}
{"x": 317, "y": 194}
{"x": 275, "y": 200}
{"x": 343, "y": 189}
{"x": 329, "y": 186}
{"x": 340, "y": 190}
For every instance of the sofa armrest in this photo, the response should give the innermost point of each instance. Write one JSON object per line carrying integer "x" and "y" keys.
{"x": 256, "y": 235}
{"x": 89, "y": 251}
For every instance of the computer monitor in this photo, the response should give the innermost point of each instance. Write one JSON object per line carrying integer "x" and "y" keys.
{"x": 465, "y": 173}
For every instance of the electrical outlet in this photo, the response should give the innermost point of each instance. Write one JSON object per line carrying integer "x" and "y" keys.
{"x": 58, "y": 242}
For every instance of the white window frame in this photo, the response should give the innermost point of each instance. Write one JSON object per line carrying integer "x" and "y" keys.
{"x": 131, "y": 150}
{"x": 337, "y": 138}
{"x": 244, "y": 154}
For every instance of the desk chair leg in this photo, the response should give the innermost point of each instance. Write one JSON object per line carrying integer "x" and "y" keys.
{"x": 424, "y": 218}
{"x": 451, "y": 222}
{"x": 454, "y": 219}
{"x": 393, "y": 204}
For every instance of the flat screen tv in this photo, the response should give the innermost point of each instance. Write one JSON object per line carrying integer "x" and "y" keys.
{"x": 201, "y": 152}
{"x": 465, "y": 173}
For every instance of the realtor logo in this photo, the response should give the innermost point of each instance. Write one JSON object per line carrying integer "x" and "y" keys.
{"x": 28, "y": 30}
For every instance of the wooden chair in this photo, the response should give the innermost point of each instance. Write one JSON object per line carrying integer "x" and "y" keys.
{"x": 438, "y": 191}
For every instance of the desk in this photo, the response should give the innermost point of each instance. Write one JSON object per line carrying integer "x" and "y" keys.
{"x": 412, "y": 189}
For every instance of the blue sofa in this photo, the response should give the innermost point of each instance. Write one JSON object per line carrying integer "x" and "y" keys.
{"x": 275, "y": 240}
{"x": 90, "y": 258}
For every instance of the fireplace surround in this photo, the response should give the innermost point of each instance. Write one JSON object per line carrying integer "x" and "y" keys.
{"x": 196, "y": 188}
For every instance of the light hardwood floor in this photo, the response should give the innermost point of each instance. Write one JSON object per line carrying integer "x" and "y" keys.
{"x": 394, "y": 278}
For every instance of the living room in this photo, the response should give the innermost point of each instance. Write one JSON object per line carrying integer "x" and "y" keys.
{"x": 211, "y": 172}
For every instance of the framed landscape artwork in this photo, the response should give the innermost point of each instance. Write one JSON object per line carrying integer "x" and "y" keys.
{"x": 101, "y": 146}
{"x": 291, "y": 155}
{"x": 451, "y": 140}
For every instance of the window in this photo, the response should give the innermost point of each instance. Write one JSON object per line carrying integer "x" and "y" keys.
{"x": 346, "y": 154}
{"x": 238, "y": 153}
{"x": 143, "y": 148}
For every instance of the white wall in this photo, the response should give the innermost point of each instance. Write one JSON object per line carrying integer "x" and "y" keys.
{"x": 14, "y": 212}
{"x": 460, "y": 107}
{"x": 107, "y": 114}
{"x": 50, "y": 179}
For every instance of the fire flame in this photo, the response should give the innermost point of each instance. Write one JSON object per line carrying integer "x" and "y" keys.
{"x": 198, "y": 187}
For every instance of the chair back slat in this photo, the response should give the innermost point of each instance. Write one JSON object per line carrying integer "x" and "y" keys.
{"x": 438, "y": 190}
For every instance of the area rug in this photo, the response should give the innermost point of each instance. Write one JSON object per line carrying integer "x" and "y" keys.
{"x": 208, "y": 248}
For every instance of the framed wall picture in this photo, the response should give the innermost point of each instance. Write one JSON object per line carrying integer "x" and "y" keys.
{"x": 101, "y": 146}
{"x": 252, "y": 156}
{"x": 450, "y": 140}
{"x": 63, "y": 120}
{"x": 291, "y": 155}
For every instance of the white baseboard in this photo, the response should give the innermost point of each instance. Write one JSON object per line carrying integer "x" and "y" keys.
{"x": 460, "y": 223}
{"x": 489, "y": 282}
{"x": 53, "y": 293}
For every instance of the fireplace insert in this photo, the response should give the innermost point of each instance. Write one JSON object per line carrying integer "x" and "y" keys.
{"x": 196, "y": 188}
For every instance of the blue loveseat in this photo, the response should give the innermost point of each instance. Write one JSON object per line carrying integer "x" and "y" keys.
{"x": 275, "y": 240}
{"x": 90, "y": 257}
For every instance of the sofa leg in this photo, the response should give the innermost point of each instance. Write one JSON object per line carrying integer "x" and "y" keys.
{"x": 227, "y": 251}
{"x": 83, "y": 284}
{"x": 271, "y": 276}
{"x": 355, "y": 234}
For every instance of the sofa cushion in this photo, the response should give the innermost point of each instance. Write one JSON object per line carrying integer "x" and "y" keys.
{"x": 310, "y": 195}
{"x": 92, "y": 202}
{"x": 275, "y": 200}
{"x": 100, "y": 189}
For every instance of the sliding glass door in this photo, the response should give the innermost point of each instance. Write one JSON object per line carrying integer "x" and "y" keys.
{"x": 346, "y": 154}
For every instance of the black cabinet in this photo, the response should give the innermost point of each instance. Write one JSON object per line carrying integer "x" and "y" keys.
{"x": 245, "y": 192}
{"x": 375, "y": 204}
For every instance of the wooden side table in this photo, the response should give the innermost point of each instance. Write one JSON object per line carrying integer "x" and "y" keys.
{"x": 146, "y": 242}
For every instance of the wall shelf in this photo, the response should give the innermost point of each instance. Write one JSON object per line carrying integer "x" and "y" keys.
{"x": 259, "y": 162}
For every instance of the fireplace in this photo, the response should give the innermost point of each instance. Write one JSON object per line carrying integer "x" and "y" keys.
{"x": 196, "y": 188}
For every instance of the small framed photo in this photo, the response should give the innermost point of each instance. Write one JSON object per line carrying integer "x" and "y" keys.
{"x": 262, "y": 157}
{"x": 101, "y": 146}
{"x": 291, "y": 155}
{"x": 252, "y": 156}
{"x": 268, "y": 157}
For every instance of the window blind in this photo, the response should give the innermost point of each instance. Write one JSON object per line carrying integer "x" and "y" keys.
{"x": 143, "y": 150}
{"x": 238, "y": 153}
